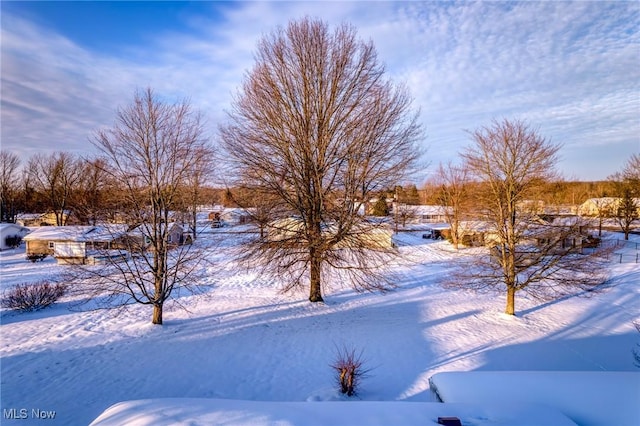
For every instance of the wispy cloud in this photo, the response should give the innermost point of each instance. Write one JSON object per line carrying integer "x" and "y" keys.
{"x": 571, "y": 68}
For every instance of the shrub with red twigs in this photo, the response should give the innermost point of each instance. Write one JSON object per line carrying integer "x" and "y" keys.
{"x": 32, "y": 297}
{"x": 349, "y": 368}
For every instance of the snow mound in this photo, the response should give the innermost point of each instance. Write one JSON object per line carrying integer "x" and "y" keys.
{"x": 192, "y": 412}
{"x": 590, "y": 398}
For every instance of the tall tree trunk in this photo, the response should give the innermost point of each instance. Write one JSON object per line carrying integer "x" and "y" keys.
{"x": 194, "y": 224}
{"x": 315, "y": 291}
{"x": 511, "y": 301}
{"x": 454, "y": 235}
{"x": 157, "y": 314}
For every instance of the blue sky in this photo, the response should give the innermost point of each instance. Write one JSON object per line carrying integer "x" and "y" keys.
{"x": 571, "y": 69}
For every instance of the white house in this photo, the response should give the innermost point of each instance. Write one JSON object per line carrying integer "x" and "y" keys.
{"x": 73, "y": 244}
{"x": 430, "y": 214}
{"x": 8, "y": 231}
{"x": 175, "y": 235}
{"x": 367, "y": 235}
{"x": 603, "y": 207}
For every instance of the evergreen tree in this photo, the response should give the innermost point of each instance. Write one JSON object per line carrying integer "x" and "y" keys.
{"x": 380, "y": 207}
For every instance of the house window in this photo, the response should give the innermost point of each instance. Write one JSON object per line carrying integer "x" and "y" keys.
{"x": 51, "y": 244}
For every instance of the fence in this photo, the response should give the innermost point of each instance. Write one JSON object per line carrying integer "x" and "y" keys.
{"x": 625, "y": 258}
{"x": 628, "y": 255}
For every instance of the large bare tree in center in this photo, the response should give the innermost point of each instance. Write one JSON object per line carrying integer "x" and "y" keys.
{"x": 317, "y": 127}
{"x": 509, "y": 160}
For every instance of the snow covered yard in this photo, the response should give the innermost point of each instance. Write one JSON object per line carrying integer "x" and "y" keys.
{"x": 244, "y": 341}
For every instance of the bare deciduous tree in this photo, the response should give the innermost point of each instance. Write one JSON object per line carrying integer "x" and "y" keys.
{"x": 403, "y": 213}
{"x": 317, "y": 127}
{"x": 56, "y": 177}
{"x": 90, "y": 202}
{"x": 453, "y": 182}
{"x": 510, "y": 158}
{"x": 152, "y": 151}
{"x": 602, "y": 208}
{"x": 200, "y": 172}
{"x": 631, "y": 171}
{"x": 9, "y": 185}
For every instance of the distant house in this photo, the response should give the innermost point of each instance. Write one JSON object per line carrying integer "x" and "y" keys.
{"x": 375, "y": 238}
{"x": 284, "y": 229}
{"x": 603, "y": 207}
{"x": 477, "y": 233}
{"x": 74, "y": 244}
{"x": 140, "y": 236}
{"x": 437, "y": 231}
{"x": 237, "y": 216}
{"x": 88, "y": 244}
{"x": 31, "y": 219}
{"x": 230, "y": 215}
{"x": 575, "y": 231}
{"x": 40, "y": 219}
{"x": 290, "y": 229}
{"x": 430, "y": 214}
{"x": 9, "y": 231}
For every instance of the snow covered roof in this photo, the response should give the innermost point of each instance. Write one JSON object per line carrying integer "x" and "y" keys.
{"x": 586, "y": 397}
{"x": 6, "y": 226}
{"x": 77, "y": 233}
{"x": 437, "y": 226}
{"x": 68, "y": 233}
{"x": 606, "y": 202}
{"x": 143, "y": 230}
{"x": 202, "y": 411}
{"x": 430, "y": 210}
{"x": 569, "y": 221}
{"x": 476, "y": 226}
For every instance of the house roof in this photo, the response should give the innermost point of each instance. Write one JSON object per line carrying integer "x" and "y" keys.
{"x": 430, "y": 210}
{"x": 77, "y": 233}
{"x": 569, "y": 221}
{"x": 605, "y": 201}
{"x": 4, "y": 226}
{"x": 143, "y": 230}
{"x": 29, "y": 216}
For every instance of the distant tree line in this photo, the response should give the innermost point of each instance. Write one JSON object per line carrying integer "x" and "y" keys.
{"x": 67, "y": 182}
{"x": 83, "y": 187}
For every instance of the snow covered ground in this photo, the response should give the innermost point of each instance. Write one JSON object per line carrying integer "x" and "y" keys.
{"x": 244, "y": 353}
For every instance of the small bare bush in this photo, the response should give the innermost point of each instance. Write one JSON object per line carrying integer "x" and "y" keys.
{"x": 349, "y": 368}
{"x": 33, "y": 297}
